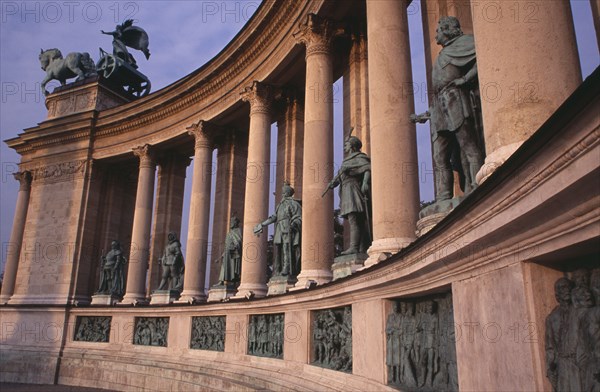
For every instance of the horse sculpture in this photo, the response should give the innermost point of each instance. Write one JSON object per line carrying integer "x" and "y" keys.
{"x": 61, "y": 69}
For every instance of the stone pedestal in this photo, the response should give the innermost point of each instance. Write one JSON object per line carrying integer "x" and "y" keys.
{"x": 162, "y": 297}
{"x": 280, "y": 284}
{"x": 427, "y": 223}
{"x": 434, "y": 213}
{"x": 221, "y": 292}
{"x": 82, "y": 96}
{"x": 348, "y": 264}
{"x": 104, "y": 299}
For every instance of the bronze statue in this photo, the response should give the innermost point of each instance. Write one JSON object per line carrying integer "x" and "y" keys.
{"x": 288, "y": 227}
{"x": 232, "y": 255}
{"x": 172, "y": 263}
{"x": 354, "y": 178}
{"x": 127, "y": 35}
{"x": 61, "y": 69}
{"x": 112, "y": 277}
{"x": 455, "y": 113}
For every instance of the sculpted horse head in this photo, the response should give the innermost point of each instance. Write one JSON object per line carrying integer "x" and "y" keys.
{"x": 49, "y": 55}
{"x": 61, "y": 69}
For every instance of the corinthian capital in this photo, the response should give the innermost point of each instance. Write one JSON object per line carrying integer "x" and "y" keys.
{"x": 317, "y": 34}
{"x": 24, "y": 179}
{"x": 203, "y": 133}
{"x": 260, "y": 96}
{"x": 146, "y": 155}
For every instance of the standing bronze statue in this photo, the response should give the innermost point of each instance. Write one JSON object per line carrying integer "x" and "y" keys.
{"x": 455, "y": 113}
{"x": 232, "y": 254}
{"x": 112, "y": 277}
{"x": 354, "y": 179}
{"x": 172, "y": 265}
{"x": 288, "y": 227}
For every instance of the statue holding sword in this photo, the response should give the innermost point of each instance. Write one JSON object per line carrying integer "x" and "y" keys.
{"x": 354, "y": 179}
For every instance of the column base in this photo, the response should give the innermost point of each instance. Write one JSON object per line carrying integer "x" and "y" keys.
{"x": 4, "y": 299}
{"x": 495, "y": 160}
{"x": 348, "y": 264}
{"x": 251, "y": 290}
{"x": 134, "y": 299}
{"x": 308, "y": 278}
{"x": 383, "y": 248}
{"x": 191, "y": 297}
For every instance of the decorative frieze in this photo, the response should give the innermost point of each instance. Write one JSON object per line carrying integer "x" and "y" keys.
{"x": 332, "y": 339}
{"x": 208, "y": 333}
{"x": 59, "y": 172}
{"x": 420, "y": 345}
{"x": 151, "y": 331}
{"x": 92, "y": 329}
{"x": 265, "y": 335}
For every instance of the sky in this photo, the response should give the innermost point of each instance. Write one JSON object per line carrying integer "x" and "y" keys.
{"x": 184, "y": 35}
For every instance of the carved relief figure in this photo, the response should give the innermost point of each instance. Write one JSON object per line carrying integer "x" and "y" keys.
{"x": 265, "y": 335}
{"x": 172, "y": 265}
{"x": 573, "y": 334}
{"x": 232, "y": 255}
{"x": 112, "y": 279}
{"x": 151, "y": 331}
{"x": 332, "y": 339}
{"x": 288, "y": 228}
{"x": 208, "y": 333}
{"x": 455, "y": 111}
{"x": 354, "y": 179}
{"x": 419, "y": 353}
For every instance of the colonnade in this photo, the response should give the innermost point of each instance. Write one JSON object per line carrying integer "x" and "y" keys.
{"x": 509, "y": 53}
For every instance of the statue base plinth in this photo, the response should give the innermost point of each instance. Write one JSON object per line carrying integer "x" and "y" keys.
{"x": 88, "y": 94}
{"x": 280, "y": 284}
{"x": 104, "y": 299}
{"x": 222, "y": 292}
{"x": 440, "y": 207}
{"x": 346, "y": 265}
{"x": 434, "y": 213}
{"x": 164, "y": 297}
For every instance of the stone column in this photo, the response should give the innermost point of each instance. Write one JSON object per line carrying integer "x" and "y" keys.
{"x": 395, "y": 188}
{"x": 254, "y": 249}
{"x": 528, "y": 65}
{"x": 356, "y": 92}
{"x": 317, "y": 34}
{"x": 140, "y": 234}
{"x": 290, "y": 146}
{"x": 197, "y": 241}
{"x": 230, "y": 186}
{"x": 16, "y": 236}
{"x": 168, "y": 210}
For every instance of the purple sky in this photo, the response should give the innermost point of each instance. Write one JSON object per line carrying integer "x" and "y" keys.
{"x": 183, "y": 36}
